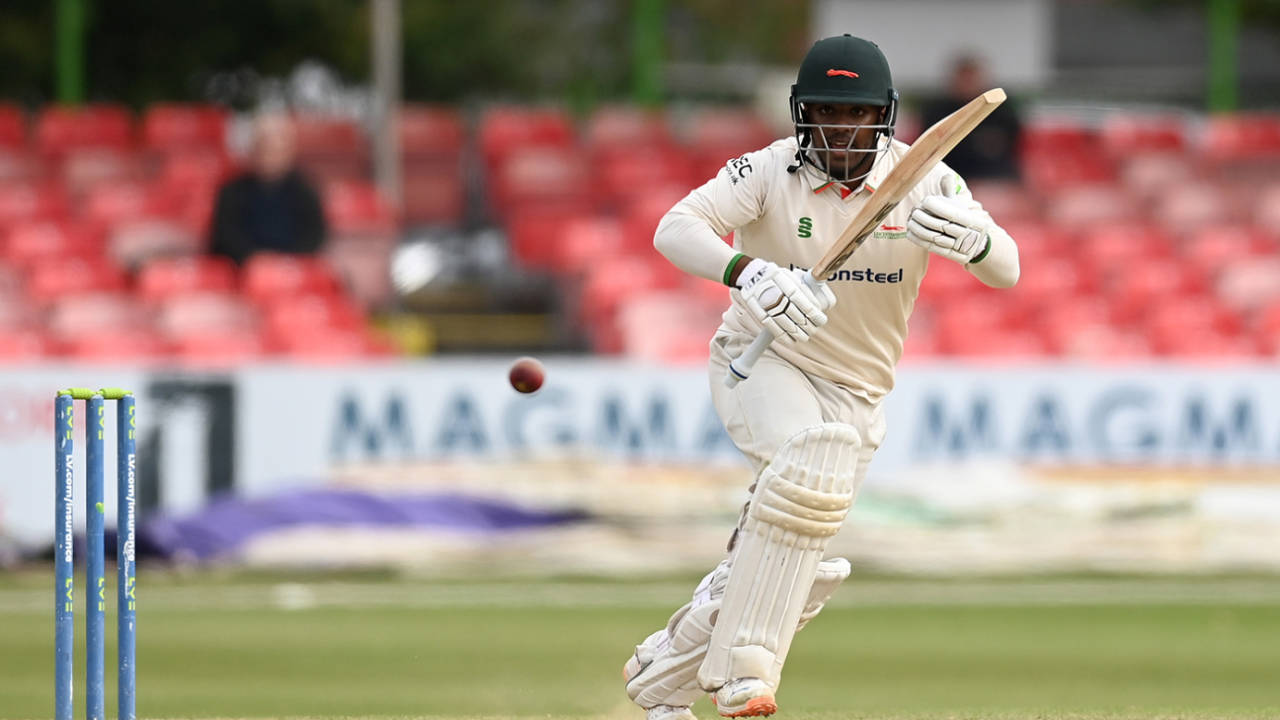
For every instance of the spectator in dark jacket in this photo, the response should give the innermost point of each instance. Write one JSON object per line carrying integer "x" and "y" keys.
{"x": 270, "y": 206}
{"x": 990, "y": 152}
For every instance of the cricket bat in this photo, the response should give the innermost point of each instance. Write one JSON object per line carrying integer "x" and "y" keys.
{"x": 926, "y": 152}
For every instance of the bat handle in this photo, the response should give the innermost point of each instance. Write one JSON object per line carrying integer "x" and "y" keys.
{"x": 740, "y": 367}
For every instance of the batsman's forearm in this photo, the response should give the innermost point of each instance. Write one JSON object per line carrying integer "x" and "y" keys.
{"x": 691, "y": 245}
{"x": 999, "y": 268}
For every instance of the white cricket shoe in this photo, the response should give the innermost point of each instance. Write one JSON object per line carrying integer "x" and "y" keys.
{"x": 669, "y": 712}
{"x": 745, "y": 697}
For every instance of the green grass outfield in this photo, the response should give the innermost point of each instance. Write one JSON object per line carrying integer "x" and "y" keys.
{"x": 251, "y": 646}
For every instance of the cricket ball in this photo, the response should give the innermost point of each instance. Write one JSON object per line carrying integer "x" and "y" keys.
{"x": 526, "y": 375}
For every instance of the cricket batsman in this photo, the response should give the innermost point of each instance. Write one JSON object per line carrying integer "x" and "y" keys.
{"x": 809, "y": 417}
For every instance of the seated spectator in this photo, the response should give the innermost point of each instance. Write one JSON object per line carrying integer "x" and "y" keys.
{"x": 270, "y": 206}
{"x": 990, "y": 152}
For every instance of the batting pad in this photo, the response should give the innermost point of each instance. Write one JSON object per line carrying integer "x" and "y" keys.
{"x": 670, "y": 657}
{"x": 800, "y": 501}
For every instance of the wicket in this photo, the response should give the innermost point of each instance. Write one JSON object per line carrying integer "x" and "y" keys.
{"x": 95, "y": 608}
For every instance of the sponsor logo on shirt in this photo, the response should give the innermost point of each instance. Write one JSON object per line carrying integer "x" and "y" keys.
{"x": 804, "y": 228}
{"x": 859, "y": 275}
{"x": 889, "y": 232}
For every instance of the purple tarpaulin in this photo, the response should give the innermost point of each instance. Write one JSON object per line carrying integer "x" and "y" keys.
{"x": 225, "y": 524}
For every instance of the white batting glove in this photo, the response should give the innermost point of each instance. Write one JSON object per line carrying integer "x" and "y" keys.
{"x": 789, "y": 303}
{"x": 951, "y": 226}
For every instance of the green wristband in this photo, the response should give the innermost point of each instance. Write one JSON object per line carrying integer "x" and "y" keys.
{"x": 728, "y": 270}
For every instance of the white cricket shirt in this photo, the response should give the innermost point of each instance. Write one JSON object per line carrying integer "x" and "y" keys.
{"x": 791, "y": 218}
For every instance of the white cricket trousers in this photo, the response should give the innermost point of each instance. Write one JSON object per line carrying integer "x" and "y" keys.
{"x": 778, "y": 401}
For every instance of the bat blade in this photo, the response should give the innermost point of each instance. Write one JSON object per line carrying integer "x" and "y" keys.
{"x": 926, "y": 152}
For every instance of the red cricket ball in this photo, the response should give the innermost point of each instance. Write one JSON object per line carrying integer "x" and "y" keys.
{"x": 526, "y": 375}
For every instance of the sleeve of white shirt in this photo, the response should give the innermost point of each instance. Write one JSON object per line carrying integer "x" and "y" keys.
{"x": 999, "y": 268}
{"x": 689, "y": 235}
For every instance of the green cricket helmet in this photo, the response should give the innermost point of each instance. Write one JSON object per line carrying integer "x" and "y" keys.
{"x": 841, "y": 70}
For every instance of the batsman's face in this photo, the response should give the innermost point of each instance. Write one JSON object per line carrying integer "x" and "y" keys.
{"x": 845, "y": 133}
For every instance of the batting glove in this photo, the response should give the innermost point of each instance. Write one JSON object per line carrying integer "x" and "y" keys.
{"x": 952, "y": 226}
{"x": 789, "y": 303}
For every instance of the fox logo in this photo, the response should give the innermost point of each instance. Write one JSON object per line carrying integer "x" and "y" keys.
{"x": 805, "y": 228}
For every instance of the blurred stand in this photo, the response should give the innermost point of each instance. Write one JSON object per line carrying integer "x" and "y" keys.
{"x": 990, "y": 152}
{"x": 271, "y": 206}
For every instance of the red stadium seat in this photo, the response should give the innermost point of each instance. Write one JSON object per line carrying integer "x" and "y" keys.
{"x": 1204, "y": 344}
{"x": 30, "y": 201}
{"x": 206, "y": 313}
{"x": 52, "y": 279}
{"x": 1268, "y": 328}
{"x": 510, "y": 128}
{"x": 61, "y": 128}
{"x": 1185, "y": 208}
{"x": 170, "y": 127}
{"x": 310, "y": 311}
{"x": 1039, "y": 238}
{"x": 541, "y": 175}
{"x": 1087, "y": 205}
{"x": 622, "y": 176}
{"x": 1107, "y": 249}
{"x": 135, "y": 242}
{"x": 1169, "y": 323}
{"x": 946, "y": 279}
{"x": 1058, "y": 135}
{"x": 1142, "y": 285}
{"x": 1242, "y": 137}
{"x": 119, "y": 346}
{"x": 1267, "y": 210}
{"x": 23, "y": 346}
{"x": 108, "y": 205}
{"x": 584, "y": 240}
{"x": 32, "y": 242}
{"x": 20, "y": 166}
{"x": 96, "y": 312}
{"x": 327, "y": 345}
{"x": 641, "y": 216}
{"x": 668, "y": 326}
{"x": 1125, "y": 134}
{"x": 716, "y": 136}
{"x": 1213, "y": 248}
{"x": 13, "y": 127}
{"x": 1249, "y": 283}
{"x": 627, "y": 128}
{"x": 269, "y": 276}
{"x": 1007, "y": 202}
{"x": 357, "y": 207}
{"x": 536, "y": 234}
{"x": 219, "y": 349}
{"x": 1105, "y": 344}
{"x": 960, "y": 321}
{"x": 1149, "y": 175}
{"x": 195, "y": 167}
{"x": 1056, "y": 279}
{"x": 86, "y": 168}
{"x": 432, "y": 132}
{"x": 999, "y": 343}
{"x": 1062, "y": 323}
{"x": 609, "y": 284}
{"x": 165, "y": 278}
